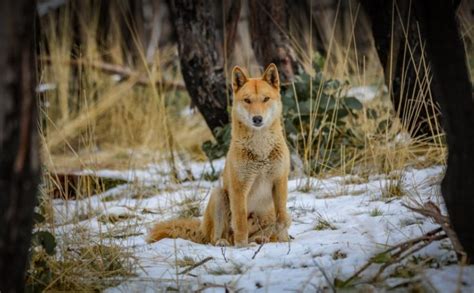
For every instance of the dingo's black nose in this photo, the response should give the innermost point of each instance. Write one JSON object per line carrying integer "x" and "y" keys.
{"x": 257, "y": 120}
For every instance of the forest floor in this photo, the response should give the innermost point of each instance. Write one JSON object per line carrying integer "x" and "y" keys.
{"x": 339, "y": 225}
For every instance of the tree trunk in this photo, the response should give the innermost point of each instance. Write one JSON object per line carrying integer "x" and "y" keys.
{"x": 269, "y": 23}
{"x": 201, "y": 60}
{"x": 302, "y": 25}
{"x": 452, "y": 88}
{"x": 19, "y": 159}
{"x": 232, "y": 21}
{"x": 401, "y": 54}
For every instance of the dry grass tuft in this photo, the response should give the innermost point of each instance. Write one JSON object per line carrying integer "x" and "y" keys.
{"x": 323, "y": 223}
{"x": 81, "y": 264}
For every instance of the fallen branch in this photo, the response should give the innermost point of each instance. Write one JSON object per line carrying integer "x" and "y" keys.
{"x": 397, "y": 253}
{"x": 122, "y": 71}
{"x": 402, "y": 254}
{"x": 431, "y": 210}
{"x": 206, "y": 286}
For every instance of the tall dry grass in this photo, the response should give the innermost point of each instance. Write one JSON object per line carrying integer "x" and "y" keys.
{"x": 87, "y": 110}
{"x": 395, "y": 147}
{"x": 99, "y": 109}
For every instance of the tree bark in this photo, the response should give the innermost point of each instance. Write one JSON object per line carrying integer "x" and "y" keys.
{"x": 201, "y": 60}
{"x": 453, "y": 90}
{"x": 400, "y": 51}
{"x": 232, "y": 21}
{"x": 302, "y": 24}
{"x": 19, "y": 159}
{"x": 269, "y": 21}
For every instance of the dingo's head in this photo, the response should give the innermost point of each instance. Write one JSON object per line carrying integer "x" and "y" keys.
{"x": 257, "y": 101}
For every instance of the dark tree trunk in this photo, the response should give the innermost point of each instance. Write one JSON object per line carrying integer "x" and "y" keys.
{"x": 131, "y": 25}
{"x": 452, "y": 88}
{"x": 401, "y": 54}
{"x": 201, "y": 61}
{"x": 132, "y": 29}
{"x": 232, "y": 21}
{"x": 19, "y": 160}
{"x": 269, "y": 21}
{"x": 301, "y": 23}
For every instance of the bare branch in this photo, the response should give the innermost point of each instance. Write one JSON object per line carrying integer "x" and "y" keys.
{"x": 431, "y": 210}
{"x": 122, "y": 71}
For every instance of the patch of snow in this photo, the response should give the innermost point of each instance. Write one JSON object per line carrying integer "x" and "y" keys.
{"x": 451, "y": 279}
{"x": 310, "y": 262}
{"x": 363, "y": 93}
{"x": 43, "y": 87}
{"x": 188, "y": 112}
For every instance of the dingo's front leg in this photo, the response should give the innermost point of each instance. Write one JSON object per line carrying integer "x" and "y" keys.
{"x": 238, "y": 207}
{"x": 280, "y": 194}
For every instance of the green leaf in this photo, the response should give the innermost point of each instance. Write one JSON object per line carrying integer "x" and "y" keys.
{"x": 340, "y": 123}
{"x": 383, "y": 257}
{"x": 290, "y": 128}
{"x": 318, "y": 62}
{"x": 304, "y": 107}
{"x": 352, "y": 103}
{"x": 338, "y": 283}
{"x": 341, "y": 113}
{"x": 383, "y": 125}
{"x": 371, "y": 114}
{"x": 288, "y": 103}
{"x": 327, "y": 103}
{"x": 302, "y": 87}
{"x": 46, "y": 240}
{"x": 38, "y": 218}
{"x": 325, "y": 130}
{"x": 219, "y": 148}
{"x": 316, "y": 82}
{"x": 333, "y": 84}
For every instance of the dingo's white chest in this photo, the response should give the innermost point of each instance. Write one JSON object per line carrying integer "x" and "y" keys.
{"x": 260, "y": 196}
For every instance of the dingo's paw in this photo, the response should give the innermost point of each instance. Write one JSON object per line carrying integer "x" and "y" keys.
{"x": 259, "y": 239}
{"x": 241, "y": 243}
{"x": 283, "y": 236}
{"x": 241, "y": 240}
{"x": 222, "y": 242}
{"x": 283, "y": 222}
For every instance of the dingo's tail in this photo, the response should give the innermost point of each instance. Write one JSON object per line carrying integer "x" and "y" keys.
{"x": 188, "y": 229}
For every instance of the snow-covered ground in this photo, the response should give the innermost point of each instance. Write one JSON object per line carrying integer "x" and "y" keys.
{"x": 338, "y": 226}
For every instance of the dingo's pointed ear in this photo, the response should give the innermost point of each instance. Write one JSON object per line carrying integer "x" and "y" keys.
{"x": 239, "y": 78}
{"x": 271, "y": 76}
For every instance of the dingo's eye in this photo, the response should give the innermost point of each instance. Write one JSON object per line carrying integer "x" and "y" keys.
{"x": 247, "y": 101}
{"x": 266, "y": 99}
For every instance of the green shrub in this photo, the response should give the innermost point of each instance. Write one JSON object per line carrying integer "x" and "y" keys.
{"x": 316, "y": 116}
{"x": 43, "y": 247}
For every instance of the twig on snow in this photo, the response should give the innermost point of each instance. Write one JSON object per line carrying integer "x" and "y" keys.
{"x": 196, "y": 265}
{"x": 223, "y": 253}
{"x": 258, "y": 250}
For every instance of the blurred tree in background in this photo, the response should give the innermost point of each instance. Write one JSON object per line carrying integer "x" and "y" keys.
{"x": 19, "y": 149}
